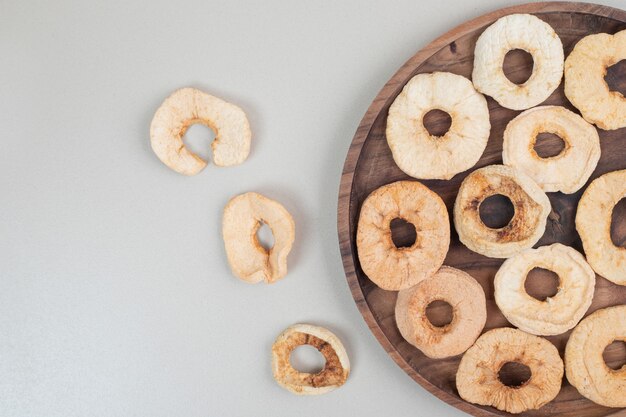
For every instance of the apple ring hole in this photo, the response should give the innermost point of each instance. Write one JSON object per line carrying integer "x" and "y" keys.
{"x": 518, "y": 66}
{"x": 307, "y": 359}
{"x": 437, "y": 122}
{"x": 618, "y": 224}
{"x": 514, "y": 374}
{"x": 403, "y": 233}
{"x": 548, "y": 145}
{"x": 614, "y": 355}
{"x": 496, "y": 211}
{"x": 615, "y": 78}
{"x": 542, "y": 283}
{"x": 195, "y": 139}
{"x": 264, "y": 236}
{"x": 439, "y": 313}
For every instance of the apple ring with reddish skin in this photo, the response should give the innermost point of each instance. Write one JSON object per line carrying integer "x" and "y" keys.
{"x": 469, "y": 313}
{"x": 390, "y": 267}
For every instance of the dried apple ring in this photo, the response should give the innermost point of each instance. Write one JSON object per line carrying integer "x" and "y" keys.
{"x": 525, "y": 228}
{"x": 518, "y": 31}
{"x": 469, "y": 313}
{"x": 556, "y": 314}
{"x": 584, "y": 365}
{"x": 571, "y": 168}
{"x": 585, "y": 87}
{"x": 593, "y": 223}
{"x": 422, "y": 155}
{"x": 390, "y": 267}
{"x": 335, "y": 371}
{"x": 477, "y": 378}
{"x": 242, "y": 218}
{"x": 188, "y": 106}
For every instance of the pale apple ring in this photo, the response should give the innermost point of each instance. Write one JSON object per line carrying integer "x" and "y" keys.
{"x": 249, "y": 261}
{"x": 528, "y": 224}
{"x": 585, "y": 368}
{"x": 593, "y": 223}
{"x": 335, "y": 371}
{"x": 477, "y": 377}
{"x": 188, "y": 106}
{"x": 585, "y": 87}
{"x": 569, "y": 170}
{"x": 518, "y": 31}
{"x": 393, "y": 268}
{"x": 414, "y": 149}
{"x": 469, "y": 313}
{"x": 556, "y": 314}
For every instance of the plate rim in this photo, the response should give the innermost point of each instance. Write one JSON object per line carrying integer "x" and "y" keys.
{"x": 348, "y": 255}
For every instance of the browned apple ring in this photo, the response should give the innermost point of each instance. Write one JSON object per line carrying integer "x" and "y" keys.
{"x": 335, "y": 371}
{"x": 525, "y": 228}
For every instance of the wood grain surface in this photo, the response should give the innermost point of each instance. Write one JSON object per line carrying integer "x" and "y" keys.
{"x": 369, "y": 165}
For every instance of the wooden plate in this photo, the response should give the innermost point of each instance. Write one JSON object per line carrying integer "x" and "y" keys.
{"x": 369, "y": 165}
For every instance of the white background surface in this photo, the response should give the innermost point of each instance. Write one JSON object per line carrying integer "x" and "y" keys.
{"x": 115, "y": 295}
